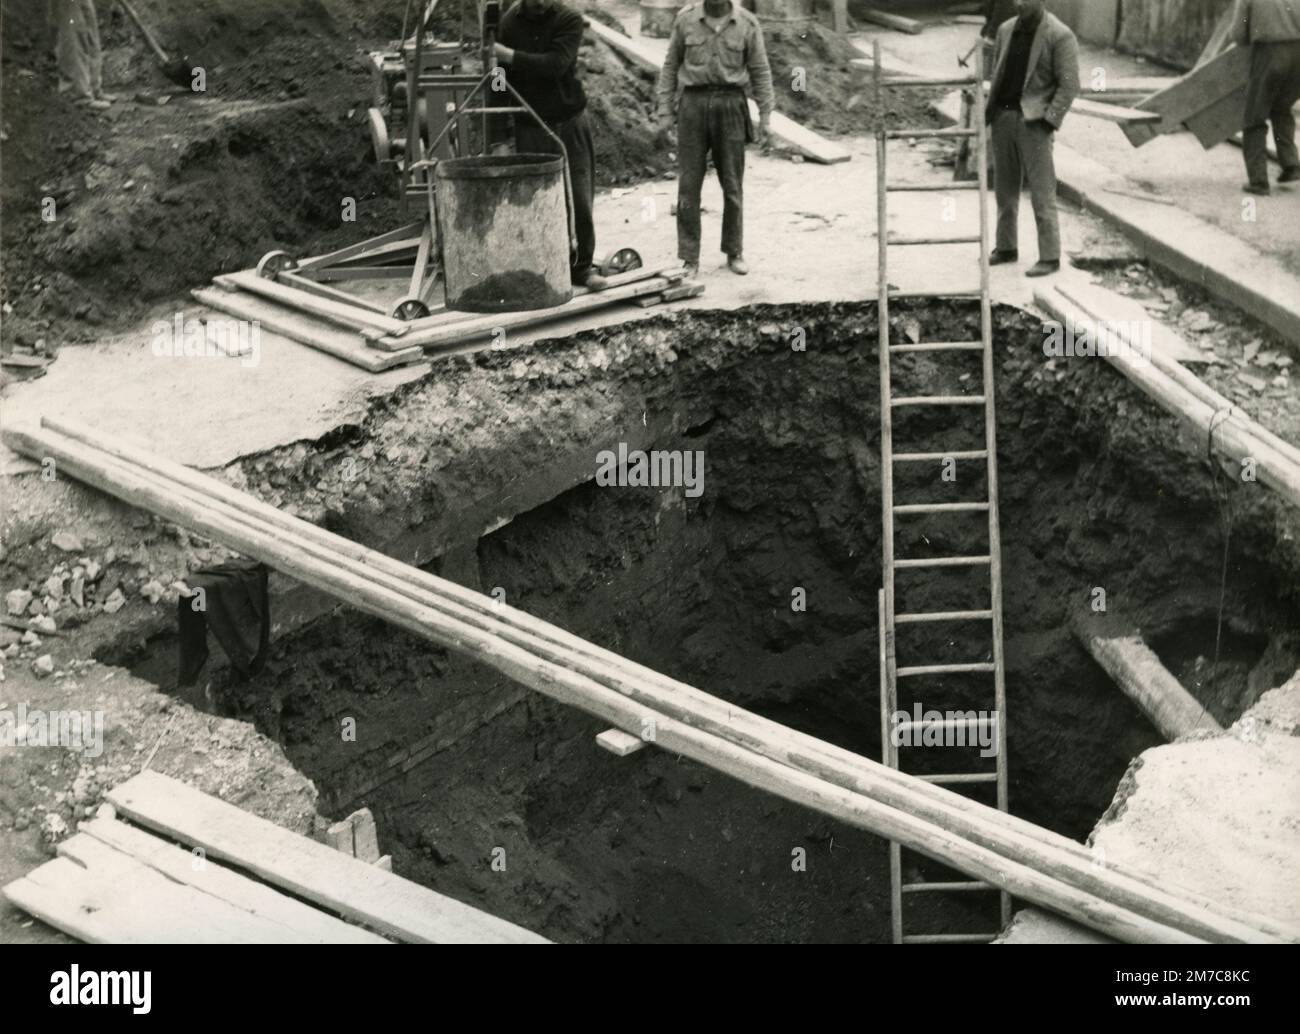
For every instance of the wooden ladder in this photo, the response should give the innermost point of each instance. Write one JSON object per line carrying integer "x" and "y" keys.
{"x": 889, "y": 619}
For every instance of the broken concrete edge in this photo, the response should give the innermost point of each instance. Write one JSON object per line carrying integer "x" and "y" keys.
{"x": 1276, "y": 714}
{"x": 1226, "y": 266}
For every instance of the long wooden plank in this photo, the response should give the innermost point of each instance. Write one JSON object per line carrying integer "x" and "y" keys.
{"x": 301, "y": 922}
{"x": 100, "y": 895}
{"x": 890, "y": 21}
{"x": 463, "y": 331}
{"x": 1147, "y": 682}
{"x": 323, "y": 308}
{"x": 1115, "y": 112}
{"x": 363, "y": 893}
{"x": 349, "y": 346}
{"x": 1205, "y": 421}
{"x": 373, "y": 593}
{"x": 784, "y": 130}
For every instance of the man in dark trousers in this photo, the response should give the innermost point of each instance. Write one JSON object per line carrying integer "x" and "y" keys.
{"x": 715, "y": 51}
{"x": 1035, "y": 80}
{"x": 1272, "y": 30}
{"x": 537, "y": 44}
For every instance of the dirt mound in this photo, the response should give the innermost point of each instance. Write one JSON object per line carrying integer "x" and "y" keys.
{"x": 817, "y": 86}
{"x": 621, "y": 105}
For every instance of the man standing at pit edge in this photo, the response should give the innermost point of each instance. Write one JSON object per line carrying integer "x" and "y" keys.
{"x": 716, "y": 50}
{"x": 1272, "y": 30}
{"x": 1035, "y": 80}
{"x": 537, "y": 42}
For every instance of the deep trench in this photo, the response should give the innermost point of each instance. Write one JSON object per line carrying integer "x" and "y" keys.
{"x": 653, "y": 847}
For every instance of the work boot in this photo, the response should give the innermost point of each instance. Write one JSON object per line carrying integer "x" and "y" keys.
{"x": 737, "y": 265}
{"x": 593, "y": 281}
{"x": 999, "y": 258}
{"x": 1262, "y": 189}
{"x": 1290, "y": 175}
{"x": 692, "y": 270}
{"x": 1042, "y": 268}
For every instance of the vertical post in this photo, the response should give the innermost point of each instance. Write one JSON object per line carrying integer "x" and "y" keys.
{"x": 888, "y": 667}
{"x": 991, "y": 438}
{"x": 889, "y": 756}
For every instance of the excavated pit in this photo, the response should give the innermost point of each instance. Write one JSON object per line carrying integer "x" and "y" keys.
{"x": 489, "y": 466}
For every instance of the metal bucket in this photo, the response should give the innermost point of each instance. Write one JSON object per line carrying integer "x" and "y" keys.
{"x": 657, "y": 17}
{"x": 504, "y": 228}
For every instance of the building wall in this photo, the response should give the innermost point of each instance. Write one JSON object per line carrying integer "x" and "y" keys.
{"x": 1171, "y": 31}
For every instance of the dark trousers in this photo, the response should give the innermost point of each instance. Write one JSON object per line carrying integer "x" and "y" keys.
{"x": 575, "y": 134}
{"x": 1274, "y": 88}
{"x": 717, "y": 122}
{"x": 1022, "y": 152}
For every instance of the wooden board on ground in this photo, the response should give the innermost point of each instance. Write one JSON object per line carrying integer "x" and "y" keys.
{"x": 359, "y": 892}
{"x": 890, "y": 21}
{"x": 101, "y": 891}
{"x": 1205, "y": 87}
{"x": 347, "y": 345}
{"x": 323, "y": 308}
{"x": 784, "y": 130}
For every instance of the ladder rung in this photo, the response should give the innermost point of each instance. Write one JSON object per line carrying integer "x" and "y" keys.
{"x": 937, "y": 187}
{"x": 964, "y": 777}
{"x": 939, "y": 400}
{"x": 938, "y": 457}
{"x": 942, "y": 508}
{"x": 941, "y": 346}
{"x": 969, "y": 296}
{"x": 949, "y": 724}
{"x": 946, "y": 561}
{"x": 914, "y": 134}
{"x": 897, "y": 81}
{"x": 946, "y": 615}
{"x": 949, "y": 938}
{"x": 944, "y": 669}
{"x": 906, "y": 241}
{"x": 946, "y": 888}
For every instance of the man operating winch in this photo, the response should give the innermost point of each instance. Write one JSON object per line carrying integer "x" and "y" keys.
{"x": 537, "y": 45}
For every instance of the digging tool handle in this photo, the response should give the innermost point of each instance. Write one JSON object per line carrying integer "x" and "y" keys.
{"x": 144, "y": 31}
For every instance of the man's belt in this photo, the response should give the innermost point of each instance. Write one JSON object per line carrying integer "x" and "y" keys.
{"x": 715, "y": 88}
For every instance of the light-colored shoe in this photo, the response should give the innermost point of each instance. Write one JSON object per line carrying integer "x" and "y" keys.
{"x": 594, "y": 281}
{"x": 692, "y": 269}
{"x": 737, "y": 265}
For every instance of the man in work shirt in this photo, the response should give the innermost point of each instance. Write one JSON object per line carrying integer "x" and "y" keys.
{"x": 1272, "y": 30}
{"x": 537, "y": 44}
{"x": 716, "y": 50}
{"x": 1035, "y": 80}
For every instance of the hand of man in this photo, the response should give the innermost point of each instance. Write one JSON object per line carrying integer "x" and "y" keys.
{"x": 666, "y": 123}
{"x": 502, "y": 53}
{"x": 764, "y": 136}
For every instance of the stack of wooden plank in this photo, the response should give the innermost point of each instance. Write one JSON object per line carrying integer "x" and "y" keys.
{"x": 234, "y": 879}
{"x": 1206, "y": 414}
{"x": 369, "y": 339}
{"x": 990, "y": 845}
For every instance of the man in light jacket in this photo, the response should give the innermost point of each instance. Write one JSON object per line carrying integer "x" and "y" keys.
{"x": 1035, "y": 80}
{"x": 1272, "y": 30}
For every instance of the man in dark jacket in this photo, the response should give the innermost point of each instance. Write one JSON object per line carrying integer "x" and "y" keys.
{"x": 537, "y": 44}
{"x": 1035, "y": 80}
{"x": 1272, "y": 30}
